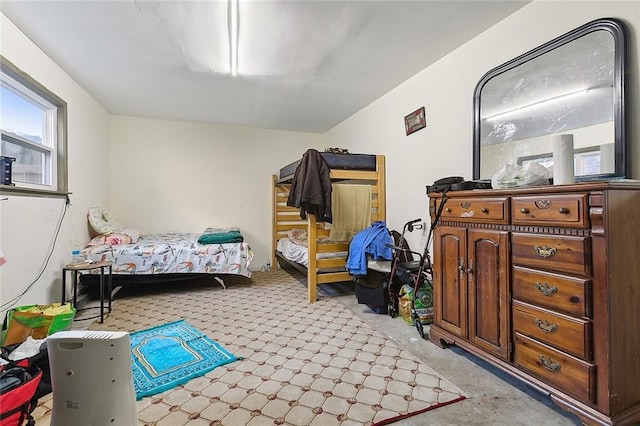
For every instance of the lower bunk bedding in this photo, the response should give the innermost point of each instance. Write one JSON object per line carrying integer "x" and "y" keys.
{"x": 323, "y": 262}
{"x": 171, "y": 256}
{"x": 294, "y": 250}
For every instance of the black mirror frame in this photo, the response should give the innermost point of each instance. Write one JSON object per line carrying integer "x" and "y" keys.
{"x": 621, "y": 136}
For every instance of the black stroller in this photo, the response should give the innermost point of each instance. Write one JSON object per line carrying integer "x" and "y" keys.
{"x": 417, "y": 274}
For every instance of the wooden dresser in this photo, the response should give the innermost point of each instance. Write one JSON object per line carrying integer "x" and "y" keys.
{"x": 544, "y": 283}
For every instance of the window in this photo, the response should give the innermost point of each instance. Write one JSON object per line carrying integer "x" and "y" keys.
{"x": 33, "y": 125}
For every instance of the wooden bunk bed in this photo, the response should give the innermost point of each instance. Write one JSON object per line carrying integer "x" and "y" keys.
{"x": 345, "y": 168}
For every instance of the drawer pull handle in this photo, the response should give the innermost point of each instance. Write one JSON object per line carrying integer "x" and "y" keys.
{"x": 547, "y": 327}
{"x": 545, "y": 251}
{"x": 484, "y": 210}
{"x": 447, "y": 209}
{"x": 548, "y": 363}
{"x": 546, "y": 289}
{"x": 524, "y": 210}
{"x": 543, "y": 204}
{"x": 562, "y": 210}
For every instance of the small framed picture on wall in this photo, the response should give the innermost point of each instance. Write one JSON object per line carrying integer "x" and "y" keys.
{"x": 415, "y": 121}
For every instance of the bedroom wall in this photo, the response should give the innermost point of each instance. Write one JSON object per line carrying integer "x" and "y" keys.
{"x": 444, "y": 147}
{"x": 178, "y": 176}
{"x": 28, "y": 224}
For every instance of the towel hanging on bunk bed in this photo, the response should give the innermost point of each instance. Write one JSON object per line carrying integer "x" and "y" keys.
{"x": 311, "y": 187}
{"x": 351, "y": 206}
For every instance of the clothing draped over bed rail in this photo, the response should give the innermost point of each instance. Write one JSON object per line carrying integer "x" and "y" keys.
{"x": 311, "y": 187}
{"x": 371, "y": 241}
{"x": 351, "y": 210}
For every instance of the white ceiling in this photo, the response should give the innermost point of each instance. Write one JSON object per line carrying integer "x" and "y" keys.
{"x": 303, "y": 65}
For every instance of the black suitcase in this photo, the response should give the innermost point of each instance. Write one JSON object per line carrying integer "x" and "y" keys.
{"x": 373, "y": 290}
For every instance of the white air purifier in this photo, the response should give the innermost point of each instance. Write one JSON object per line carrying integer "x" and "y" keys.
{"x": 92, "y": 381}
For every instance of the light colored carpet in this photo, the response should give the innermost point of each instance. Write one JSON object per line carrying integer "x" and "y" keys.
{"x": 304, "y": 364}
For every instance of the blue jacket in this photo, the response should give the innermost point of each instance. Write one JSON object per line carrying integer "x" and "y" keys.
{"x": 372, "y": 241}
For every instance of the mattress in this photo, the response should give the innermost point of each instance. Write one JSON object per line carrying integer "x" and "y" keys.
{"x": 299, "y": 254}
{"x": 173, "y": 253}
{"x": 337, "y": 161}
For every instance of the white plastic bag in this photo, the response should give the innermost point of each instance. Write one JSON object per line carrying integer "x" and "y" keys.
{"x": 511, "y": 175}
{"x": 27, "y": 349}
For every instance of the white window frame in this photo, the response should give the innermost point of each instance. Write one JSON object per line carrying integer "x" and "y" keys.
{"x": 54, "y": 138}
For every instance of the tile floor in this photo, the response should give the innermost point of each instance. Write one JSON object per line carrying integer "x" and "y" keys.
{"x": 492, "y": 397}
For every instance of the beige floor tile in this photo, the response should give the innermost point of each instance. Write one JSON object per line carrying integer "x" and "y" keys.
{"x": 299, "y": 415}
{"x": 177, "y": 396}
{"x": 254, "y": 401}
{"x": 196, "y": 404}
{"x": 175, "y": 418}
{"x": 237, "y": 416}
{"x": 154, "y": 412}
{"x": 216, "y": 410}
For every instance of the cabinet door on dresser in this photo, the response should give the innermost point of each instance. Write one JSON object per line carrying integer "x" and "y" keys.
{"x": 449, "y": 279}
{"x": 471, "y": 286}
{"x": 488, "y": 290}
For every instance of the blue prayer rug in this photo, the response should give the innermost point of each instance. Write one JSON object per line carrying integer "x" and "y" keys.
{"x": 169, "y": 355}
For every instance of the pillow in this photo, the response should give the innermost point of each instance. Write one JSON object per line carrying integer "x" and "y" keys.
{"x": 298, "y": 236}
{"x": 111, "y": 240}
{"x": 133, "y": 233}
{"x": 102, "y": 222}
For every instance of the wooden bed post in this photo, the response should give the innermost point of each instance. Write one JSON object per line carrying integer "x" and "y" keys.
{"x": 382, "y": 187}
{"x": 274, "y": 221}
{"x": 312, "y": 275}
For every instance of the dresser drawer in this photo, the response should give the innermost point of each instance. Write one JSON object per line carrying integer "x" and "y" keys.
{"x": 556, "y": 368}
{"x": 493, "y": 210}
{"x": 552, "y": 252}
{"x": 566, "y": 333}
{"x": 551, "y": 210}
{"x": 561, "y": 293}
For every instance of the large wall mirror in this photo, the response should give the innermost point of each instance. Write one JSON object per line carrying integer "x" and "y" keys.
{"x": 573, "y": 84}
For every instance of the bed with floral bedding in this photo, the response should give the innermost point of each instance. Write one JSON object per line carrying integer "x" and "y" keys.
{"x": 174, "y": 253}
{"x": 166, "y": 256}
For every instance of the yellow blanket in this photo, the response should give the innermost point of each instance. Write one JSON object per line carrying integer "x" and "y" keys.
{"x": 351, "y": 210}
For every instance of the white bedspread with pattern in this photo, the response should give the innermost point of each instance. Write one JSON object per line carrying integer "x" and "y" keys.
{"x": 174, "y": 253}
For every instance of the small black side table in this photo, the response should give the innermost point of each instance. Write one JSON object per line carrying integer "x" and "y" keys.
{"x": 76, "y": 268}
